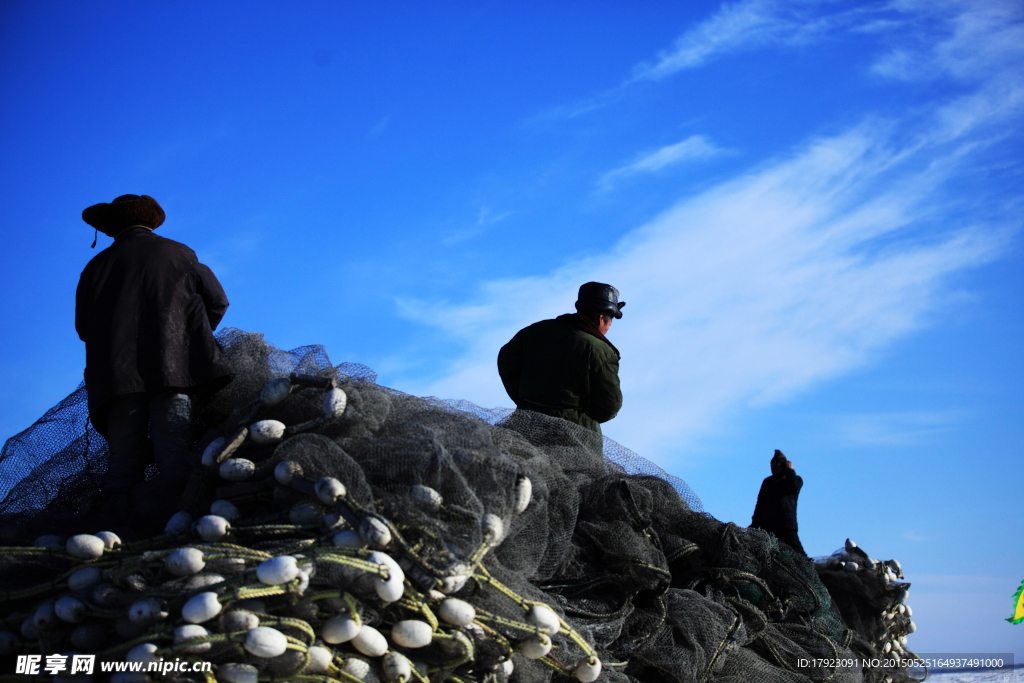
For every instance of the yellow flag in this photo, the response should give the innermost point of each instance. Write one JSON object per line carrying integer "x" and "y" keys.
{"x": 1018, "y": 605}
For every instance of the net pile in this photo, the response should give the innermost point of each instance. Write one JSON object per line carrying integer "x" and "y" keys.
{"x": 872, "y": 601}
{"x": 343, "y": 531}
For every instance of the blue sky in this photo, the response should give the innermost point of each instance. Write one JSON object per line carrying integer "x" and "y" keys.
{"x": 813, "y": 210}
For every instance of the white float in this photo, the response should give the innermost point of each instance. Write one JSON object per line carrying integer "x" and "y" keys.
{"x": 277, "y": 570}
{"x": 179, "y": 522}
{"x": 286, "y": 471}
{"x": 544, "y": 618}
{"x": 275, "y": 391}
{"x": 456, "y": 612}
{"x": 147, "y": 611}
{"x": 375, "y": 532}
{"x": 85, "y": 546}
{"x": 370, "y": 642}
{"x": 212, "y": 528}
{"x": 535, "y": 646}
{"x": 334, "y": 403}
{"x": 266, "y": 642}
{"x": 212, "y": 450}
{"x": 71, "y": 610}
{"x": 200, "y": 608}
{"x": 188, "y": 632}
{"x": 412, "y": 633}
{"x": 425, "y": 497}
{"x": 237, "y": 469}
{"x": 266, "y": 431}
{"x": 340, "y": 628}
{"x": 225, "y": 509}
{"x": 109, "y": 538}
{"x": 85, "y": 578}
{"x": 329, "y": 490}
{"x": 523, "y": 493}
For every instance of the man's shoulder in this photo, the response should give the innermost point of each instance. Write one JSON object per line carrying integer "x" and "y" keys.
{"x": 563, "y": 330}
{"x": 157, "y": 246}
{"x": 546, "y": 327}
{"x": 594, "y": 345}
{"x": 563, "y": 327}
{"x": 161, "y": 242}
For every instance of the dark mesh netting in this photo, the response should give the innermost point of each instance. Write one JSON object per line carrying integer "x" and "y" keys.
{"x": 340, "y": 530}
{"x": 57, "y": 462}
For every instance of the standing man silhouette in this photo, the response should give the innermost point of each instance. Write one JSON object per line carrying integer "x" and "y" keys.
{"x": 776, "y": 502}
{"x": 146, "y": 310}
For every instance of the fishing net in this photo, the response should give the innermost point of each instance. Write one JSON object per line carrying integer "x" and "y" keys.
{"x": 340, "y": 530}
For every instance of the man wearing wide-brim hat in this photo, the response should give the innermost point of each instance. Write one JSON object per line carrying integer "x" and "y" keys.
{"x": 566, "y": 367}
{"x": 146, "y": 310}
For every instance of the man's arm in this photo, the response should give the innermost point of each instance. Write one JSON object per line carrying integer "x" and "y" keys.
{"x": 510, "y": 366}
{"x": 758, "y": 519}
{"x": 605, "y": 398}
{"x": 214, "y": 298}
{"x": 81, "y": 308}
{"x": 791, "y": 483}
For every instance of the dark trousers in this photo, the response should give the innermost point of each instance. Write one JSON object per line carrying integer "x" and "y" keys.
{"x": 131, "y": 420}
{"x": 790, "y": 538}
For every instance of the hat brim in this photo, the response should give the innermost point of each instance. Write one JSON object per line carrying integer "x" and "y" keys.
{"x": 607, "y": 309}
{"x": 112, "y": 218}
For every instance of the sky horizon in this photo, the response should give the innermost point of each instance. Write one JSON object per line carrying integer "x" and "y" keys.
{"x": 812, "y": 209}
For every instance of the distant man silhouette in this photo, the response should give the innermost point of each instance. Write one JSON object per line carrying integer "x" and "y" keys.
{"x": 776, "y": 502}
{"x": 146, "y": 310}
{"x": 566, "y": 367}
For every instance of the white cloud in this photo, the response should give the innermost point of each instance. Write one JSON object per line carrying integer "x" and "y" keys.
{"x": 892, "y": 429}
{"x": 969, "y": 41}
{"x": 965, "y": 39}
{"x": 757, "y": 288}
{"x": 976, "y": 45}
{"x": 796, "y": 271}
{"x": 962, "y": 38}
{"x": 484, "y": 220}
{"x": 737, "y": 26}
{"x": 693, "y": 148}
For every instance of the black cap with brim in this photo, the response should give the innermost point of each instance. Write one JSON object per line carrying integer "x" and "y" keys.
{"x": 597, "y": 297}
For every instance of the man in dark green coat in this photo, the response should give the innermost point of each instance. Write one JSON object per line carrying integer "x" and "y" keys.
{"x": 566, "y": 367}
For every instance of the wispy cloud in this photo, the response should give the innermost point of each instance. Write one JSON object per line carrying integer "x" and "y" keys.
{"x": 977, "y": 45}
{"x": 892, "y": 429}
{"x": 970, "y": 41}
{"x": 787, "y": 275}
{"x": 759, "y": 287}
{"x": 693, "y": 148}
{"x": 734, "y": 25}
{"x": 484, "y": 220}
{"x": 963, "y": 38}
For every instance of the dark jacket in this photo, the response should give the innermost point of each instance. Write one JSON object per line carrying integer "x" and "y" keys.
{"x": 555, "y": 367}
{"x": 146, "y": 310}
{"x": 776, "y": 502}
